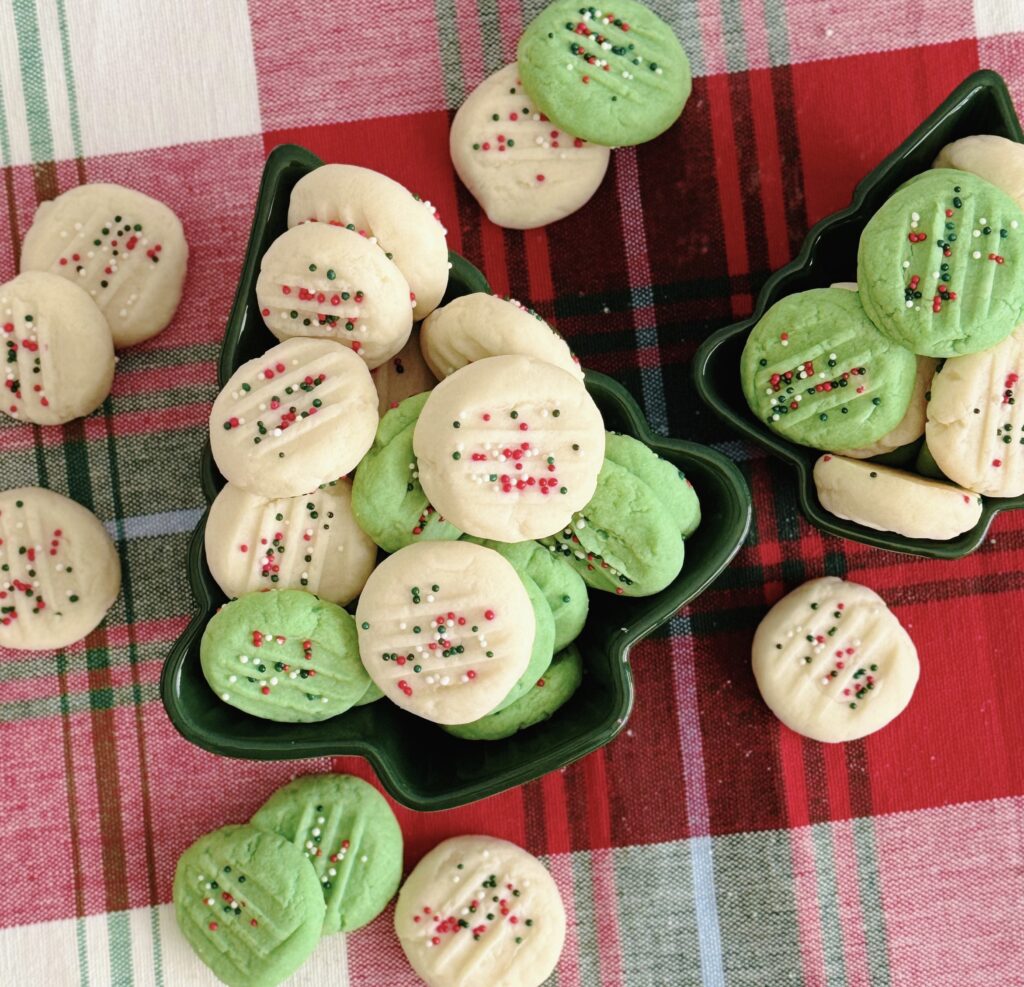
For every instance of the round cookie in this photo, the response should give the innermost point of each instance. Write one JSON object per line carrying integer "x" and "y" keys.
{"x": 310, "y": 542}
{"x": 479, "y": 908}
{"x": 327, "y": 282}
{"x": 61, "y": 572}
{"x": 832, "y": 662}
{"x": 549, "y": 694}
{"x": 523, "y": 171}
{"x": 817, "y": 371}
{"x": 543, "y": 649}
{"x": 284, "y": 655}
{"x": 59, "y": 355}
{"x": 431, "y": 599}
{"x": 404, "y": 375}
{"x": 347, "y": 830}
{"x": 473, "y": 327}
{"x": 625, "y": 541}
{"x": 405, "y": 227}
{"x": 563, "y": 587}
{"x": 126, "y": 250}
{"x": 893, "y": 500}
{"x": 940, "y": 267}
{"x": 975, "y": 427}
{"x": 387, "y": 499}
{"x": 911, "y": 426}
{"x": 301, "y": 415}
{"x": 615, "y": 79}
{"x": 995, "y": 159}
{"x": 249, "y": 903}
{"x": 665, "y": 479}
{"x": 509, "y": 447}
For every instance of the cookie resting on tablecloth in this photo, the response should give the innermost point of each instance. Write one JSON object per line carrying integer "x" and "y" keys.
{"x": 523, "y": 170}
{"x": 59, "y": 354}
{"x": 307, "y": 542}
{"x": 473, "y": 327}
{"x": 61, "y": 572}
{"x": 126, "y": 250}
{"x": 446, "y": 629}
{"x": 250, "y": 905}
{"x": 284, "y": 655}
{"x": 407, "y": 229}
{"x": 347, "y": 830}
{"x": 509, "y": 447}
{"x": 832, "y": 661}
{"x": 327, "y": 282}
{"x": 477, "y": 909}
{"x": 301, "y": 415}
{"x": 940, "y": 266}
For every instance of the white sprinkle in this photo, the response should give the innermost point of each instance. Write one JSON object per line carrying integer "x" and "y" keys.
{"x": 244, "y": 659}
{"x": 232, "y": 679}
{"x": 915, "y": 216}
{"x": 430, "y": 598}
{"x": 983, "y": 221}
{"x": 906, "y": 264}
{"x": 977, "y": 233}
{"x": 976, "y": 255}
{"x": 224, "y": 696}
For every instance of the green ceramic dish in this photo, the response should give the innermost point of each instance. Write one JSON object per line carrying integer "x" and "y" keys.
{"x": 979, "y": 105}
{"x": 417, "y": 762}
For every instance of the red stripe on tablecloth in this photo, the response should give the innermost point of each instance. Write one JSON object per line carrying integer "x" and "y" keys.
{"x": 769, "y": 153}
{"x": 851, "y": 917}
{"x": 602, "y": 860}
{"x": 538, "y": 263}
{"x": 560, "y": 864}
{"x": 471, "y": 43}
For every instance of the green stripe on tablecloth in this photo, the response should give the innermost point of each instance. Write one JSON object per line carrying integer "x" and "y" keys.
{"x": 69, "y": 78}
{"x": 490, "y": 27}
{"x": 102, "y": 698}
{"x": 828, "y": 903}
{"x": 33, "y": 80}
{"x": 119, "y": 948}
{"x": 450, "y": 49}
{"x": 871, "y": 904}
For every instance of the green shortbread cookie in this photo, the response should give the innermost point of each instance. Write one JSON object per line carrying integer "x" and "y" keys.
{"x": 387, "y": 499}
{"x": 614, "y": 79}
{"x": 249, "y": 903}
{"x": 819, "y": 373}
{"x": 347, "y": 830}
{"x": 940, "y": 267}
{"x": 549, "y": 693}
{"x": 543, "y": 644}
{"x": 284, "y": 655}
{"x": 667, "y": 481}
{"x": 625, "y": 540}
{"x": 562, "y": 586}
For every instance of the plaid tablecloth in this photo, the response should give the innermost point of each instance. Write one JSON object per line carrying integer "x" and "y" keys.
{"x": 706, "y": 844}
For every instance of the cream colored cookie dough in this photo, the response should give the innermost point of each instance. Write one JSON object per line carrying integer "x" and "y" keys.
{"x": 326, "y": 282}
{"x": 405, "y": 227}
{"x": 996, "y": 159}
{"x": 975, "y": 429}
{"x": 479, "y": 325}
{"x": 60, "y": 570}
{"x": 309, "y": 542}
{"x": 509, "y": 447}
{"x": 522, "y": 169}
{"x": 479, "y": 910}
{"x": 404, "y": 375}
{"x": 126, "y": 250}
{"x": 301, "y": 415}
{"x": 58, "y": 353}
{"x": 833, "y": 662}
{"x": 888, "y": 499}
{"x": 911, "y": 427}
{"x": 445, "y": 629}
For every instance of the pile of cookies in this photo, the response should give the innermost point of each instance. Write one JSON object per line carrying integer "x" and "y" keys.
{"x": 929, "y": 342}
{"x": 102, "y": 269}
{"x": 532, "y": 142}
{"x": 324, "y": 855}
{"x": 498, "y": 495}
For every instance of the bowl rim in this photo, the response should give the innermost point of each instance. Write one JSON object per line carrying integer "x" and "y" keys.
{"x": 802, "y": 458}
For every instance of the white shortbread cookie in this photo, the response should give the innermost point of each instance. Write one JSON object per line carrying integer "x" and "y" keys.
{"x": 61, "y": 573}
{"x": 888, "y": 499}
{"x": 58, "y": 354}
{"x": 309, "y": 542}
{"x": 975, "y": 429}
{"x": 833, "y": 662}
{"x": 479, "y": 325}
{"x": 445, "y": 629}
{"x": 325, "y": 282}
{"x": 911, "y": 427}
{"x": 404, "y": 375}
{"x": 407, "y": 228}
{"x": 522, "y": 169}
{"x": 996, "y": 159}
{"x": 301, "y": 415}
{"x": 479, "y": 910}
{"x": 509, "y": 447}
{"x": 126, "y": 250}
